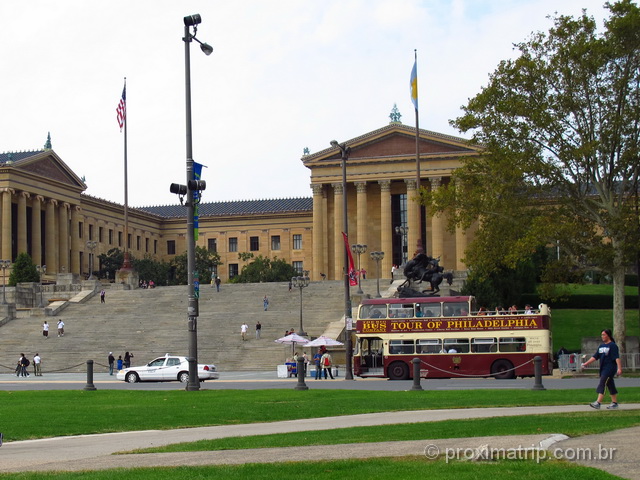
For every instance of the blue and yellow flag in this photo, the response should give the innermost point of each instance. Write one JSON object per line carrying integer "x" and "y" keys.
{"x": 414, "y": 84}
{"x": 197, "y": 174}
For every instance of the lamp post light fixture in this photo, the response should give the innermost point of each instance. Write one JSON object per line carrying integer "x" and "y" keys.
{"x": 301, "y": 282}
{"x": 4, "y": 264}
{"x": 376, "y": 257}
{"x": 401, "y": 230}
{"x": 42, "y": 270}
{"x": 192, "y": 192}
{"x": 91, "y": 245}
{"x": 344, "y": 155}
{"x": 359, "y": 249}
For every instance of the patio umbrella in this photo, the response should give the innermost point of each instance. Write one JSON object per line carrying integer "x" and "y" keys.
{"x": 322, "y": 340}
{"x": 292, "y": 340}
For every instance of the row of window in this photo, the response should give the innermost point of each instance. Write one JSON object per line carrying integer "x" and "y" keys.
{"x": 458, "y": 345}
{"x": 410, "y": 310}
{"x": 254, "y": 243}
{"x": 111, "y": 240}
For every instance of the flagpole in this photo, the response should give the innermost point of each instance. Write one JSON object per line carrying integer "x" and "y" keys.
{"x": 419, "y": 246}
{"x": 127, "y": 261}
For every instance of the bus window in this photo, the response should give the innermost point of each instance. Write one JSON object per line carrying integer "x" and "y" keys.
{"x": 456, "y": 309}
{"x": 397, "y": 347}
{"x": 484, "y": 345}
{"x": 513, "y": 344}
{"x": 397, "y": 310}
{"x": 430, "y": 309}
{"x": 456, "y": 345}
{"x": 430, "y": 345}
{"x": 373, "y": 311}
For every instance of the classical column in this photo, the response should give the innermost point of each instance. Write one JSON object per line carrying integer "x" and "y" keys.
{"x": 437, "y": 226}
{"x": 36, "y": 229}
{"x": 51, "y": 236}
{"x": 75, "y": 239}
{"x": 6, "y": 224}
{"x": 412, "y": 218}
{"x": 461, "y": 245}
{"x": 325, "y": 230}
{"x": 22, "y": 222}
{"x": 363, "y": 223}
{"x": 318, "y": 232}
{"x": 386, "y": 229}
{"x": 63, "y": 242}
{"x": 338, "y": 243}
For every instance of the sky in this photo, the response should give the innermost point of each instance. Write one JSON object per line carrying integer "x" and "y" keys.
{"x": 284, "y": 75}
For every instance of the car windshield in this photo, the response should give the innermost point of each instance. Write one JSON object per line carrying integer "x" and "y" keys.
{"x": 158, "y": 362}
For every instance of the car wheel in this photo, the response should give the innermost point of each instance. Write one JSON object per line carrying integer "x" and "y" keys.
{"x": 398, "y": 371}
{"x": 132, "y": 377}
{"x": 503, "y": 370}
{"x": 183, "y": 377}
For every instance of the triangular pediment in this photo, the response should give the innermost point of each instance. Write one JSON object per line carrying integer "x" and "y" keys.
{"x": 49, "y": 165}
{"x": 395, "y": 142}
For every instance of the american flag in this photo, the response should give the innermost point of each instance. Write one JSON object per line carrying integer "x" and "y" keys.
{"x": 122, "y": 108}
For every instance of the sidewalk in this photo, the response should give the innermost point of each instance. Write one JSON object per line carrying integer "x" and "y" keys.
{"x": 94, "y": 452}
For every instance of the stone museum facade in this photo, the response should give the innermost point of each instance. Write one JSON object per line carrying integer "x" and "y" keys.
{"x": 45, "y": 212}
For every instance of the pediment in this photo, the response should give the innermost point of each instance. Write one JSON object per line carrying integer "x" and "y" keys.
{"x": 49, "y": 165}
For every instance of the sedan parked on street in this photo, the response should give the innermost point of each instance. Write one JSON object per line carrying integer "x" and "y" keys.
{"x": 166, "y": 369}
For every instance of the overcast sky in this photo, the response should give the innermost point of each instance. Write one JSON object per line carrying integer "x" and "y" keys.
{"x": 284, "y": 75}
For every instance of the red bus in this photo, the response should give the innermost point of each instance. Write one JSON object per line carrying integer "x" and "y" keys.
{"x": 450, "y": 337}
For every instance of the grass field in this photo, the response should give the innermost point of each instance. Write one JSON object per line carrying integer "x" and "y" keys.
{"x": 569, "y": 326}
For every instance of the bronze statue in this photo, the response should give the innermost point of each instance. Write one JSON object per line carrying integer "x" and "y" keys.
{"x": 423, "y": 268}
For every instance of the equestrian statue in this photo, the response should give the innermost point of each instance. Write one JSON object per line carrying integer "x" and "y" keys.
{"x": 423, "y": 268}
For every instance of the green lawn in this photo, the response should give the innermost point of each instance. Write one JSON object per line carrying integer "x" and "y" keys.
{"x": 600, "y": 289}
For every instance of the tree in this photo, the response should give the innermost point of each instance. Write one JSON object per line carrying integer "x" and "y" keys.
{"x": 560, "y": 125}
{"x": 206, "y": 261}
{"x": 110, "y": 262}
{"x": 149, "y": 269}
{"x": 23, "y": 270}
{"x": 263, "y": 269}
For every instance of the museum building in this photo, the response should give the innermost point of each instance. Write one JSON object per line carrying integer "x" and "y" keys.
{"x": 45, "y": 212}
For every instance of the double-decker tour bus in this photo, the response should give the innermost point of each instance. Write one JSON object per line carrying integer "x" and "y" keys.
{"x": 450, "y": 337}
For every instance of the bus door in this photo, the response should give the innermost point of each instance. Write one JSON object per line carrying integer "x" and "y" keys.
{"x": 370, "y": 352}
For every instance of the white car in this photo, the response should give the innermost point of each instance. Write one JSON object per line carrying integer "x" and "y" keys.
{"x": 166, "y": 369}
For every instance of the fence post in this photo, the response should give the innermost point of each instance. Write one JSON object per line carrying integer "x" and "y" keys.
{"x": 89, "y": 385}
{"x": 416, "y": 374}
{"x": 300, "y": 373}
{"x": 537, "y": 369}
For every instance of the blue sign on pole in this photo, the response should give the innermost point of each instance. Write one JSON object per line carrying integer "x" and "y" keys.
{"x": 196, "y": 288}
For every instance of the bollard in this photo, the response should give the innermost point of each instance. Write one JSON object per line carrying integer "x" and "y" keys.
{"x": 300, "y": 370}
{"x": 416, "y": 374}
{"x": 89, "y": 385}
{"x": 537, "y": 369}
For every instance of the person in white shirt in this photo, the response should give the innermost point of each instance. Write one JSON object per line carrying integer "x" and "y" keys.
{"x": 36, "y": 365}
{"x": 243, "y": 331}
{"x": 60, "y": 328}
{"x": 45, "y": 329}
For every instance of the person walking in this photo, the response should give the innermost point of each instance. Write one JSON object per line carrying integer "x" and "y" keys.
{"x": 243, "y": 331}
{"x": 60, "y": 328}
{"x": 23, "y": 363}
{"x": 218, "y": 282}
{"x": 258, "y": 330}
{"x": 325, "y": 361}
{"x": 265, "y": 303}
{"x": 36, "y": 365}
{"x": 103, "y": 294}
{"x": 111, "y": 359}
{"x": 610, "y": 365}
{"x": 45, "y": 329}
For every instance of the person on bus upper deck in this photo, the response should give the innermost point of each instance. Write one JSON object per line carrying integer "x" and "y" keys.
{"x": 375, "y": 313}
{"x": 419, "y": 312}
{"x": 513, "y": 310}
{"x": 527, "y": 309}
{"x": 482, "y": 311}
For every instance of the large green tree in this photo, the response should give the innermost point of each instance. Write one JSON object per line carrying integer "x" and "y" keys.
{"x": 23, "y": 270}
{"x": 206, "y": 262}
{"x": 560, "y": 125}
{"x": 264, "y": 269}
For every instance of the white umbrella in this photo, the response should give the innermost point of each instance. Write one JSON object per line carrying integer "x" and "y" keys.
{"x": 322, "y": 340}
{"x": 291, "y": 339}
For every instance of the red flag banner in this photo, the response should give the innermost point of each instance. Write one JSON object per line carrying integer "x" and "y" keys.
{"x": 353, "y": 275}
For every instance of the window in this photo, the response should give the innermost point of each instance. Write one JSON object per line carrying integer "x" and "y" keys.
{"x": 456, "y": 345}
{"x": 428, "y": 310}
{"x": 155, "y": 246}
{"x": 397, "y": 310}
{"x": 120, "y": 239}
{"x": 171, "y": 247}
{"x": 456, "y": 309}
{"x": 484, "y": 345}
{"x": 80, "y": 229}
{"x": 212, "y": 245}
{"x": 400, "y": 347}
{"x": 298, "y": 267}
{"x": 431, "y": 345}
{"x": 110, "y": 236}
{"x": 90, "y": 232}
{"x": 138, "y": 242}
{"x": 275, "y": 242}
{"x": 297, "y": 242}
{"x": 233, "y": 270}
{"x": 146, "y": 245}
{"x": 513, "y": 344}
{"x": 233, "y": 244}
{"x": 100, "y": 234}
{"x": 254, "y": 244}
{"x": 129, "y": 238}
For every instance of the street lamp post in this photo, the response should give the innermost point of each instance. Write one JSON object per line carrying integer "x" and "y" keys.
{"x": 4, "y": 264}
{"x": 42, "y": 270}
{"x": 401, "y": 230}
{"x": 376, "y": 257}
{"x": 359, "y": 249}
{"x": 91, "y": 245}
{"x": 344, "y": 155}
{"x": 301, "y": 282}
{"x": 192, "y": 190}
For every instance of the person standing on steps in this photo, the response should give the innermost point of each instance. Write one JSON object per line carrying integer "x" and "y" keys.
{"x": 243, "y": 331}
{"x": 102, "y": 295}
{"x": 610, "y": 365}
{"x": 258, "y": 330}
{"x": 111, "y": 359}
{"x": 127, "y": 359}
{"x": 45, "y": 329}
{"x": 60, "y": 328}
{"x": 218, "y": 282}
{"x": 265, "y": 303}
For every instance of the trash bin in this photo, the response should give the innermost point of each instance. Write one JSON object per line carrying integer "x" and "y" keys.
{"x": 334, "y": 371}
{"x": 283, "y": 371}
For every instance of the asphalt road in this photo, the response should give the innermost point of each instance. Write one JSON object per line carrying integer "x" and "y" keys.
{"x": 266, "y": 380}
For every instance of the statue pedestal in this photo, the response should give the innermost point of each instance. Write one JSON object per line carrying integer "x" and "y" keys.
{"x": 127, "y": 277}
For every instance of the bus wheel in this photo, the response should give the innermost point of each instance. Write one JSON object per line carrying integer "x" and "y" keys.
{"x": 503, "y": 369}
{"x": 398, "y": 371}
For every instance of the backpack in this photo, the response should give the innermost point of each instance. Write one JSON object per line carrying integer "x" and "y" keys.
{"x": 326, "y": 361}
{"x": 26, "y": 362}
